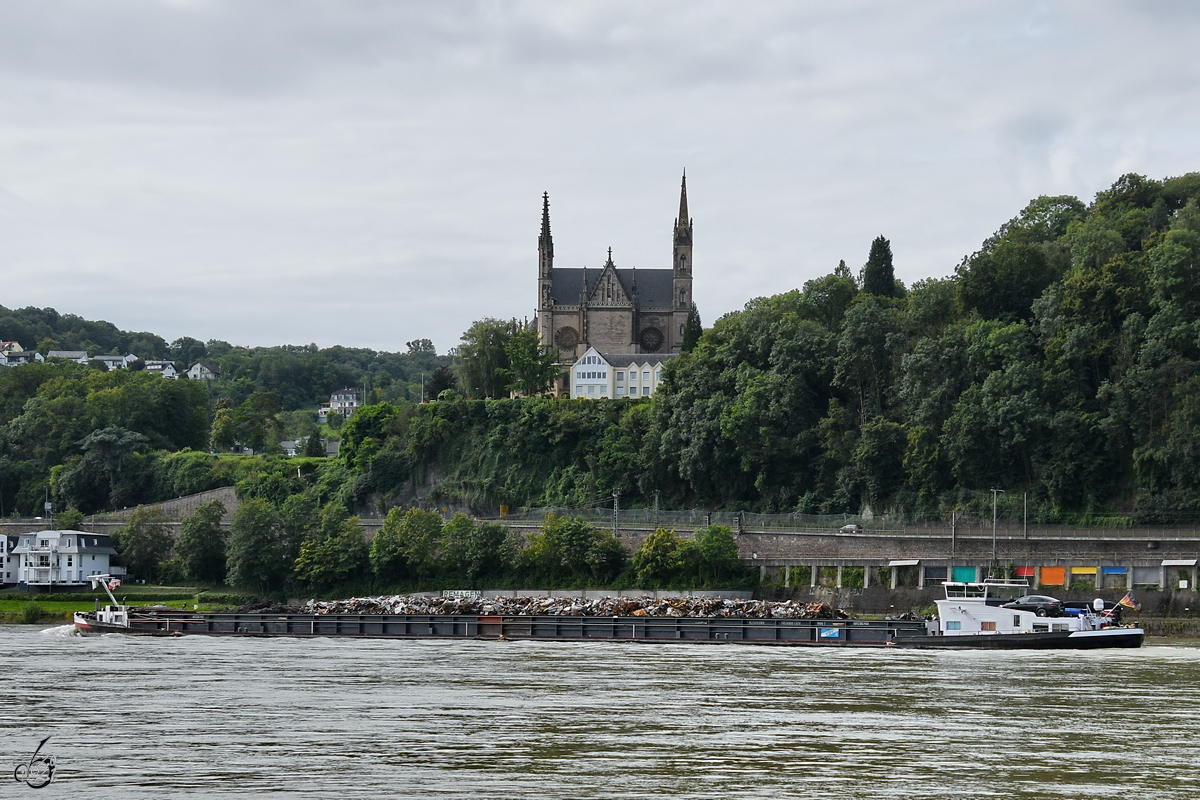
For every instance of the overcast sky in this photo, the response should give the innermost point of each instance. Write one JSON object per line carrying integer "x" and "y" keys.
{"x": 367, "y": 173}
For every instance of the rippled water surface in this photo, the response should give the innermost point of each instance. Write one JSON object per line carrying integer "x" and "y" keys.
{"x": 142, "y": 717}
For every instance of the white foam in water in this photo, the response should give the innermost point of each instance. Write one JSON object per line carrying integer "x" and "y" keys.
{"x": 61, "y": 630}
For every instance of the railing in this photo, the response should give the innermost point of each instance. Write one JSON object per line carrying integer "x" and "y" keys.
{"x": 966, "y": 527}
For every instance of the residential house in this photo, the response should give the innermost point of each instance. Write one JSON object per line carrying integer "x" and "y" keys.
{"x": 8, "y": 347}
{"x": 204, "y": 371}
{"x": 78, "y": 356}
{"x": 291, "y": 447}
{"x": 54, "y": 560}
{"x": 343, "y": 402}
{"x": 17, "y": 358}
{"x": 604, "y": 375}
{"x": 116, "y": 362}
{"x": 164, "y": 368}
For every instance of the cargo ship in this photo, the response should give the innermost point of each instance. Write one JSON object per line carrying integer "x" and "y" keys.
{"x": 975, "y": 604}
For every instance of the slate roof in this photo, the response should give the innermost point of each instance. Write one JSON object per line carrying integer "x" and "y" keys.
{"x": 656, "y": 287}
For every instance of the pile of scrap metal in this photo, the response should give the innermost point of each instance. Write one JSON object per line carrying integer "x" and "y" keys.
{"x": 576, "y": 607}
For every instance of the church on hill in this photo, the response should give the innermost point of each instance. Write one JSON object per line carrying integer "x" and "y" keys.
{"x": 615, "y": 310}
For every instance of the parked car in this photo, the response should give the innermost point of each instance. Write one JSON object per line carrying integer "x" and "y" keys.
{"x": 1039, "y": 604}
{"x": 852, "y": 527}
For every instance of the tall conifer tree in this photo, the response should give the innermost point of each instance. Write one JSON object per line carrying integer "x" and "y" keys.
{"x": 878, "y": 276}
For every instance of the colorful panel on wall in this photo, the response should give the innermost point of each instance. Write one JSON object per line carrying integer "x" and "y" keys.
{"x": 1083, "y": 570}
{"x": 1054, "y": 576}
{"x": 1024, "y": 572}
{"x": 965, "y": 574}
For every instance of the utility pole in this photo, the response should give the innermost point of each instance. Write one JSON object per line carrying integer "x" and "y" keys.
{"x": 616, "y": 511}
{"x": 656, "y": 509}
{"x": 422, "y": 387}
{"x": 995, "y": 493}
{"x": 1025, "y": 524}
{"x": 953, "y": 520}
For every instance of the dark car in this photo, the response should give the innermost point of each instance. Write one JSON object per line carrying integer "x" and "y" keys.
{"x": 1039, "y": 604}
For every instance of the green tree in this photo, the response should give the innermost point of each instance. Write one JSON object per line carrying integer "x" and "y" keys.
{"x": 144, "y": 542}
{"x": 111, "y": 448}
{"x": 878, "y": 275}
{"x": 660, "y": 560}
{"x": 68, "y": 520}
{"x": 254, "y": 557}
{"x": 439, "y": 381}
{"x": 336, "y": 555}
{"x": 570, "y": 551}
{"x": 716, "y": 555}
{"x": 481, "y": 361}
{"x": 532, "y": 365}
{"x": 1003, "y": 283}
{"x": 406, "y": 546}
{"x": 489, "y": 554}
{"x": 691, "y": 330}
{"x": 201, "y": 544}
{"x": 314, "y": 446}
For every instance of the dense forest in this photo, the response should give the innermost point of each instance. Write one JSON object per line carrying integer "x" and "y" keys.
{"x": 1059, "y": 361}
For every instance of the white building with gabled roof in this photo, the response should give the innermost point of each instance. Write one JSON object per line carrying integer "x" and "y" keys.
{"x": 61, "y": 559}
{"x": 78, "y": 356}
{"x": 596, "y": 375}
{"x": 163, "y": 368}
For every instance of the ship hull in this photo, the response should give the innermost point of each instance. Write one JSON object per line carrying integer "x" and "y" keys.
{"x": 679, "y": 630}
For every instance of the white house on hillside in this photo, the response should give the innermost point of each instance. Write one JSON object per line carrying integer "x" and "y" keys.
{"x": 204, "y": 370}
{"x": 602, "y": 375}
{"x": 164, "y": 368}
{"x": 47, "y": 559}
{"x": 115, "y": 362}
{"x": 16, "y": 358}
{"x": 343, "y": 402}
{"x": 78, "y": 356}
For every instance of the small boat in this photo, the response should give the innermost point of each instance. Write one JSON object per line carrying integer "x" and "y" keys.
{"x": 975, "y": 616}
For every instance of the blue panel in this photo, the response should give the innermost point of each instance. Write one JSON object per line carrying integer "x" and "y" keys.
{"x": 1113, "y": 570}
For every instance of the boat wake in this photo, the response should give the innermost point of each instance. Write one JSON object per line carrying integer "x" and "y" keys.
{"x": 61, "y": 630}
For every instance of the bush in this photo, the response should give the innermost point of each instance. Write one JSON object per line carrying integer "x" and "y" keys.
{"x": 32, "y": 614}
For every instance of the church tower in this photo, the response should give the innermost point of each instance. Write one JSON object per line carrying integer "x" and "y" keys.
{"x": 545, "y": 273}
{"x": 681, "y": 300}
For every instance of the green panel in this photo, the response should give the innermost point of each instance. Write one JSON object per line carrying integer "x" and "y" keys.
{"x": 965, "y": 574}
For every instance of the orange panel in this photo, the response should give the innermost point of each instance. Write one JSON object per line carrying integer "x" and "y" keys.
{"x": 1054, "y": 576}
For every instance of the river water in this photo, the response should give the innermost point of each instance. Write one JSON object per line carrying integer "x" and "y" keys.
{"x": 336, "y": 718}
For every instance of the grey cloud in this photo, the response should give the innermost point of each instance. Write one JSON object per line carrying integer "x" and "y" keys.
{"x": 264, "y": 164}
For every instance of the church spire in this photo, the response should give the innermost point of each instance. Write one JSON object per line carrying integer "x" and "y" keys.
{"x": 545, "y": 242}
{"x": 683, "y": 223}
